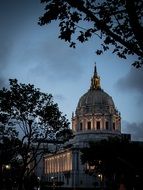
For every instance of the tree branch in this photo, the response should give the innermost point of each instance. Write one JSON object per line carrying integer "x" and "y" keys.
{"x": 134, "y": 22}
{"x": 102, "y": 26}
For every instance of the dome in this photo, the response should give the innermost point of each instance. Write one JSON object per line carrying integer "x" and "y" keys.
{"x": 96, "y": 116}
{"x": 96, "y": 100}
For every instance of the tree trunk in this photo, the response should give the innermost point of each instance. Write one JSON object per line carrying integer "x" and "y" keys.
{"x": 20, "y": 184}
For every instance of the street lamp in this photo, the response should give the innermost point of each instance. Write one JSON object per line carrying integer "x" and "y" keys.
{"x": 100, "y": 176}
{"x": 8, "y": 167}
{"x": 53, "y": 180}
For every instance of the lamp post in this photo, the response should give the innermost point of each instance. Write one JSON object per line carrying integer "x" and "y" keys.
{"x": 100, "y": 176}
{"x": 53, "y": 182}
{"x": 7, "y": 181}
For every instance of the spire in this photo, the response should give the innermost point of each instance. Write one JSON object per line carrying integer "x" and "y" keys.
{"x": 95, "y": 70}
{"x": 95, "y": 80}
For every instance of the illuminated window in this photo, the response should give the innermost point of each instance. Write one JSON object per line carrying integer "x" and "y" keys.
{"x": 89, "y": 125}
{"x": 98, "y": 125}
{"x": 107, "y": 125}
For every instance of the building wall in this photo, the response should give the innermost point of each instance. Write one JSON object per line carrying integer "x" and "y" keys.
{"x": 81, "y": 123}
{"x": 58, "y": 167}
{"x": 66, "y": 167}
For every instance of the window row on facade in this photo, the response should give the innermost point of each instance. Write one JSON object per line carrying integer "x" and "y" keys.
{"x": 98, "y": 126}
{"x": 58, "y": 163}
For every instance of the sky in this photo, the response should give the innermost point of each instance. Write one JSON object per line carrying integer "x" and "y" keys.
{"x": 34, "y": 54}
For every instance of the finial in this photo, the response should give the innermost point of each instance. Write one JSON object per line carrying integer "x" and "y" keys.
{"x": 95, "y": 69}
{"x": 95, "y": 80}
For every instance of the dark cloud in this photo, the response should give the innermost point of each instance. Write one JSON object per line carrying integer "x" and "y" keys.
{"x": 135, "y": 129}
{"x": 132, "y": 85}
{"x": 132, "y": 82}
{"x": 55, "y": 61}
{"x": 2, "y": 84}
{"x": 5, "y": 49}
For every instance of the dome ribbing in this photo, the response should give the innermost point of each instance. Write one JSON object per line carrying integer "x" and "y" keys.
{"x": 95, "y": 101}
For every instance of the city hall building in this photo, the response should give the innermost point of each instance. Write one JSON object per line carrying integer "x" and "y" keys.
{"x": 95, "y": 118}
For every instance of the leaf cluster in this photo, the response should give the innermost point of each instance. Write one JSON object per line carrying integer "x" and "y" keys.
{"x": 117, "y": 23}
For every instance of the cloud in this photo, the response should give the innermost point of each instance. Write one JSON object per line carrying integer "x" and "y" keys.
{"x": 5, "y": 49}
{"x": 1, "y": 83}
{"x": 132, "y": 82}
{"x": 54, "y": 56}
{"x": 135, "y": 129}
{"x": 59, "y": 97}
{"x": 28, "y": 50}
{"x": 131, "y": 87}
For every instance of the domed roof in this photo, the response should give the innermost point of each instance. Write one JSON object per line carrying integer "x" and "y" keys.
{"x": 95, "y": 97}
{"x": 95, "y": 100}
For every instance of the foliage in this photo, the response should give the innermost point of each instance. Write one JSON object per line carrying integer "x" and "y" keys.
{"x": 9, "y": 143}
{"x": 9, "y": 149}
{"x": 35, "y": 116}
{"x": 113, "y": 158}
{"x": 118, "y": 23}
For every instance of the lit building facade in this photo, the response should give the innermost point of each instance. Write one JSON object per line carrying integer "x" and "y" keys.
{"x": 95, "y": 118}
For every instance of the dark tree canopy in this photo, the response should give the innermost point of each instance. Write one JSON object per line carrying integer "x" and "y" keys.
{"x": 9, "y": 144}
{"x": 117, "y": 23}
{"x": 113, "y": 158}
{"x": 34, "y": 112}
{"x": 9, "y": 151}
{"x": 35, "y": 116}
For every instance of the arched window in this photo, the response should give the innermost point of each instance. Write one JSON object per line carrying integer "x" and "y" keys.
{"x": 113, "y": 125}
{"x": 80, "y": 126}
{"x": 106, "y": 125}
{"x": 98, "y": 125}
{"x": 89, "y": 125}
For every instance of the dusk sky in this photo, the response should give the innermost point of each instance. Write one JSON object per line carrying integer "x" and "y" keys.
{"x": 34, "y": 54}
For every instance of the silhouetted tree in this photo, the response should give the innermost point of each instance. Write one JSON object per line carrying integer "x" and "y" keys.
{"x": 36, "y": 117}
{"x": 118, "y": 23}
{"x": 9, "y": 149}
{"x": 116, "y": 160}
